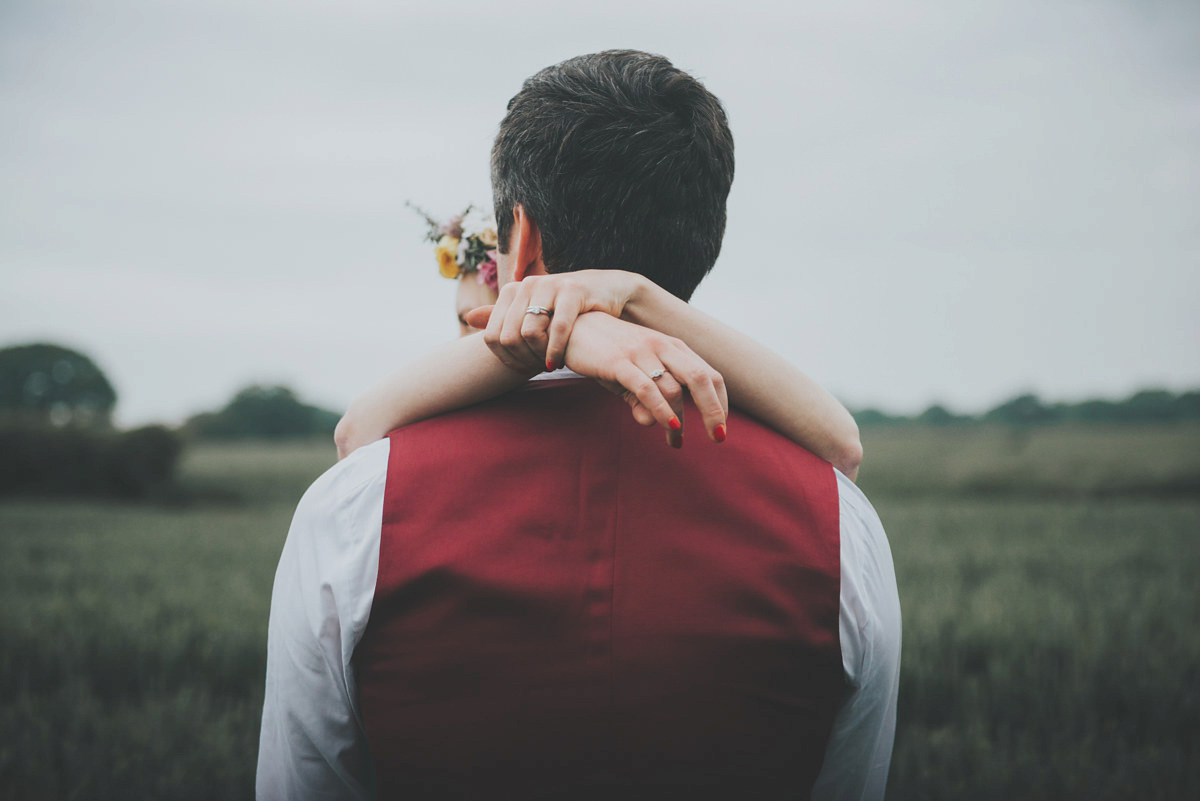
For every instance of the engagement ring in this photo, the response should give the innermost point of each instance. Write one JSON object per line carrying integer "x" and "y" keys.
{"x": 657, "y": 374}
{"x": 538, "y": 310}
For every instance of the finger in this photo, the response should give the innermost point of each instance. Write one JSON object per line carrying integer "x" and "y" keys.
{"x": 640, "y": 413}
{"x": 567, "y": 306}
{"x": 672, "y": 392}
{"x": 510, "y": 330}
{"x": 499, "y": 309}
{"x": 635, "y": 380}
{"x": 613, "y": 387}
{"x": 705, "y": 385}
{"x": 478, "y": 318}
{"x": 518, "y": 316}
{"x": 495, "y": 326}
{"x": 534, "y": 327}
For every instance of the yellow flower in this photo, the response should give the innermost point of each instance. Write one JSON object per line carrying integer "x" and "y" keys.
{"x": 488, "y": 237}
{"x": 447, "y": 256}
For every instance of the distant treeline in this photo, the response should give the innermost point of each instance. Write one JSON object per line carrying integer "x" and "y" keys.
{"x": 1147, "y": 406}
{"x": 263, "y": 412}
{"x": 57, "y": 436}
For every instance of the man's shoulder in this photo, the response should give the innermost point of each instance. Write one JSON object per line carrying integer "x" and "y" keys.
{"x": 359, "y": 476}
{"x": 870, "y": 602}
{"x": 858, "y": 516}
{"x": 564, "y": 407}
{"x": 367, "y": 464}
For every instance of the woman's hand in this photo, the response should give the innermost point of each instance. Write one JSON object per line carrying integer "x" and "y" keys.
{"x": 761, "y": 382}
{"x": 650, "y": 371}
{"x": 528, "y": 340}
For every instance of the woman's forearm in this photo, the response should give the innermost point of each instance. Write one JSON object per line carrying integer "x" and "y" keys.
{"x": 457, "y": 374}
{"x": 760, "y": 382}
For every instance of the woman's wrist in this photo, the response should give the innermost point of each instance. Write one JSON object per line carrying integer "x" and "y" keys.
{"x": 646, "y": 302}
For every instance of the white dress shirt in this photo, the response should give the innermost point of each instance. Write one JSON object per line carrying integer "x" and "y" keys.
{"x": 313, "y": 745}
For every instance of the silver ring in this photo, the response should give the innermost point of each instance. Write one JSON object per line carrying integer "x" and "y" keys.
{"x": 656, "y": 374}
{"x": 538, "y": 310}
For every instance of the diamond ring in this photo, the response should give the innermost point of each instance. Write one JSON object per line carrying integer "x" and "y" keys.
{"x": 657, "y": 374}
{"x": 538, "y": 310}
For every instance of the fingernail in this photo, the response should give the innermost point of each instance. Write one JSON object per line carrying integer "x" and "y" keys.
{"x": 719, "y": 433}
{"x": 674, "y": 424}
{"x": 550, "y": 364}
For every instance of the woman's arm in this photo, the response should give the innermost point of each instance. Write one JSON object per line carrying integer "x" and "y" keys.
{"x": 759, "y": 381}
{"x": 465, "y": 371}
{"x": 449, "y": 377}
{"x": 619, "y": 354}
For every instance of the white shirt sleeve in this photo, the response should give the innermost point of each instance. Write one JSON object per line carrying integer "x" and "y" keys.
{"x": 312, "y": 744}
{"x": 860, "y": 746}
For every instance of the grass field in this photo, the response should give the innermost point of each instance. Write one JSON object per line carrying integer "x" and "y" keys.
{"x": 1050, "y": 644}
{"x": 1061, "y": 462}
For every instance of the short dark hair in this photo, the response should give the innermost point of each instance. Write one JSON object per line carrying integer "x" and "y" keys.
{"x": 623, "y": 161}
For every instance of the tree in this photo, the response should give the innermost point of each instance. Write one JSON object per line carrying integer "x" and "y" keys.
{"x": 1189, "y": 405}
{"x": 1151, "y": 406}
{"x": 938, "y": 415}
{"x": 1094, "y": 411}
{"x": 264, "y": 411}
{"x": 55, "y": 384}
{"x": 874, "y": 417}
{"x": 1022, "y": 410}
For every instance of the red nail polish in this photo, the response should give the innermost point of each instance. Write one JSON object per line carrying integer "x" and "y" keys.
{"x": 550, "y": 364}
{"x": 719, "y": 433}
{"x": 675, "y": 424}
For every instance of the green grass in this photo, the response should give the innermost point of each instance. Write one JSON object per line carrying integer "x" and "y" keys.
{"x": 1061, "y": 461}
{"x": 1050, "y": 649}
{"x": 258, "y": 473}
{"x": 133, "y": 652}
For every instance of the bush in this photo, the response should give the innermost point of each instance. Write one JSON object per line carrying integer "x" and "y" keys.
{"x": 72, "y": 460}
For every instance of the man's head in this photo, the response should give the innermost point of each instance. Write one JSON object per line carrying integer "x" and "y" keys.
{"x": 618, "y": 160}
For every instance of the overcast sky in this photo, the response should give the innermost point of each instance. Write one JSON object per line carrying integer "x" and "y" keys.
{"x": 934, "y": 201}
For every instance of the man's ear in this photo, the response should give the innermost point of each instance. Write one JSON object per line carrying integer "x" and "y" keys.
{"x": 526, "y": 244}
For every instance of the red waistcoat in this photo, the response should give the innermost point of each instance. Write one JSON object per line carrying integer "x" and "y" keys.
{"x": 568, "y": 608}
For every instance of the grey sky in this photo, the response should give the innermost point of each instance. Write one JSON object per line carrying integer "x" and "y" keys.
{"x": 934, "y": 201}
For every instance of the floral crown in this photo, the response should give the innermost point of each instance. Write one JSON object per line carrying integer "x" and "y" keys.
{"x": 465, "y": 244}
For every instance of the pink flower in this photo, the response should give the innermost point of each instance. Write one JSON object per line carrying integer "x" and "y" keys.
{"x": 452, "y": 227}
{"x": 486, "y": 272}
